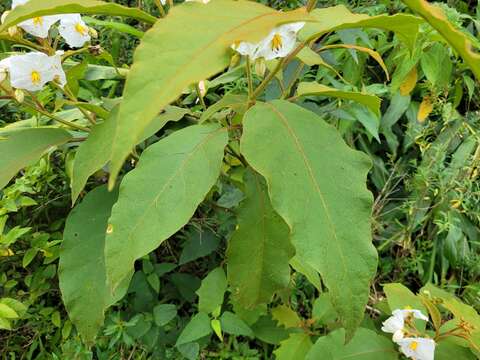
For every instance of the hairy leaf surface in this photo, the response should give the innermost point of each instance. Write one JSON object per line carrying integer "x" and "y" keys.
{"x": 317, "y": 184}
{"x": 198, "y": 36}
{"x": 161, "y": 194}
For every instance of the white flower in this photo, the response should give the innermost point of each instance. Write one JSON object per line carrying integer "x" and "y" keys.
{"x": 38, "y": 26}
{"x": 418, "y": 348}
{"x": 279, "y": 43}
{"x": 395, "y": 324}
{"x": 33, "y": 70}
{"x": 74, "y": 30}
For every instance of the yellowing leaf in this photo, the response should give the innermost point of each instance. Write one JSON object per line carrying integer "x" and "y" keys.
{"x": 425, "y": 109}
{"x": 36, "y": 8}
{"x": 458, "y": 40}
{"x": 198, "y": 37}
{"x": 370, "y": 52}
{"x": 409, "y": 83}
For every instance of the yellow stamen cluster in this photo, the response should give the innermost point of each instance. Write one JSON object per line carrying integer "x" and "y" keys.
{"x": 81, "y": 29}
{"x": 38, "y": 21}
{"x": 413, "y": 345}
{"x": 35, "y": 76}
{"x": 277, "y": 42}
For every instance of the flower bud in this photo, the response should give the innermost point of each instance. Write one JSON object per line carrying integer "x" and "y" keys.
{"x": 203, "y": 88}
{"x": 93, "y": 33}
{"x": 260, "y": 67}
{"x": 19, "y": 95}
{"x": 13, "y": 31}
{"x": 4, "y": 16}
{"x": 235, "y": 60}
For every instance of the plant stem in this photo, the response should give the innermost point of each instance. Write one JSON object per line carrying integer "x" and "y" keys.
{"x": 248, "y": 71}
{"x": 53, "y": 117}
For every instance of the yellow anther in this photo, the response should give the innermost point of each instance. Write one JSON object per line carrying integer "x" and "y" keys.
{"x": 35, "y": 76}
{"x": 413, "y": 345}
{"x": 81, "y": 29}
{"x": 277, "y": 42}
{"x": 38, "y": 21}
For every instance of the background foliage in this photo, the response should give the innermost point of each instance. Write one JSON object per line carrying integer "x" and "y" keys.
{"x": 426, "y": 223}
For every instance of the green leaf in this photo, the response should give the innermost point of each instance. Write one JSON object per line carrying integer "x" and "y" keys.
{"x": 179, "y": 170}
{"x": 266, "y": 330}
{"x": 259, "y": 250}
{"x": 365, "y": 345}
{"x": 436, "y": 17}
{"x": 96, "y": 151}
{"x": 23, "y": 147}
{"x": 317, "y": 184}
{"x": 232, "y": 324}
{"x": 286, "y": 316}
{"x": 93, "y": 154}
{"x": 5, "y": 324}
{"x": 313, "y": 88}
{"x": 29, "y": 256}
{"x": 212, "y": 291}
{"x": 82, "y": 267}
{"x": 36, "y": 8}
{"x": 164, "y": 313}
{"x": 339, "y": 17}
{"x": 198, "y": 244}
{"x": 295, "y": 347}
{"x": 7, "y": 312}
{"x": 201, "y": 50}
{"x": 400, "y": 297}
{"x": 459, "y": 310}
{"x": 236, "y": 102}
{"x": 309, "y": 272}
{"x": 198, "y": 327}
{"x": 114, "y": 25}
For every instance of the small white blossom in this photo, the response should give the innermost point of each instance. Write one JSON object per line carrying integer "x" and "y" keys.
{"x": 395, "y": 324}
{"x": 418, "y": 348}
{"x": 279, "y": 43}
{"x": 74, "y": 30}
{"x": 33, "y": 70}
{"x": 38, "y": 26}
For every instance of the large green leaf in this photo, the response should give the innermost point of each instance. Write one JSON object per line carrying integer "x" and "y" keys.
{"x": 199, "y": 37}
{"x": 339, "y": 17}
{"x": 36, "y": 8}
{"x": 22, "y": 147}
{"x": 161, "y": 194}
{"x": 82, "y": 266}
{"x": 259, "y": 250}
{"x": 365, "y": 345}
{"x": 317, "y": 184}
{"x": 96, "y": 151}
{"x": 313, "y": 88}
{"x": 458, "y": 40}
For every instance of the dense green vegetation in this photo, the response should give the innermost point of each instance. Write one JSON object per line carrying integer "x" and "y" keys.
{"x": 424, "y": 145}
